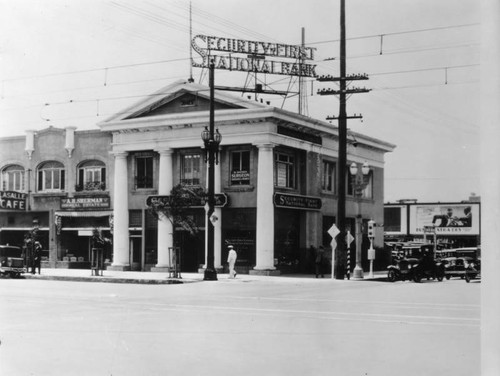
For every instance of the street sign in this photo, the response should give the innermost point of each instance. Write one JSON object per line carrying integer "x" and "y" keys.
{"x": 350, "y": 238}
{"x": 221, "y": 200}
{"x": 333, "y": 231}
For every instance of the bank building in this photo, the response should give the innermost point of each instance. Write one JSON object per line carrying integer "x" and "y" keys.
{"x": 277, "y": 169}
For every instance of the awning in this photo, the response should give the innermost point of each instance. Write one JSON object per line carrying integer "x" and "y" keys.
{"x": 100, "y": 213}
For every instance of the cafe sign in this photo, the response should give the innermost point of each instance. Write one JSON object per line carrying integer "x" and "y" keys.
{"x": 284, "y": 200}
{"x": 86, "y": 203}
{"x": 11, "y": 200}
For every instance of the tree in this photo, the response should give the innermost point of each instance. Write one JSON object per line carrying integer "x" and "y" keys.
{"x": 175, "y": 206}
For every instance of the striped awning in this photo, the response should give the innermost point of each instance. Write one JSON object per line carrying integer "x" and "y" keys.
{"x": 99, "y": 213}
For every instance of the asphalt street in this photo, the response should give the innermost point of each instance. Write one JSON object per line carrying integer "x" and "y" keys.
{"x": 267, "y": 326}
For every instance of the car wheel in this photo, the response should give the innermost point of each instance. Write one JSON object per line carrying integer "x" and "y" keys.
{"x": 417, "y": 277}
{"x": 440, "y": 278}
{"x": 391, "y": 275}
{"x": 467, "y": 278}
{"x": 448, "y": 277}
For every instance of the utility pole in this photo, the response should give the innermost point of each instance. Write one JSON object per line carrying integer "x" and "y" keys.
{"x": 341, "y": 252}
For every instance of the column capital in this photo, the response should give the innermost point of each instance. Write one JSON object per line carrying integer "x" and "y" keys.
{"x": 265, "y": 146}
{"x": 165, "y": 151}
{"x": 119, "y": 154}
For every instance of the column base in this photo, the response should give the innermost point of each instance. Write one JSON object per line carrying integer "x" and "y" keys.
{"x": 357, "y": 273}
{"x": 118, "y": 268}
{"x": 268, "y": 272}
{"x": 160, "y": 269}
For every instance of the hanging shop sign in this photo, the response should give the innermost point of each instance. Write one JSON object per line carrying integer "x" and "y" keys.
{"x": 284, "y": 200}
{"x": 221, "y": 200}
{"x": 261, "y": 57}
{"x": 82, "y": 203}
{"x": 11, "y": 200}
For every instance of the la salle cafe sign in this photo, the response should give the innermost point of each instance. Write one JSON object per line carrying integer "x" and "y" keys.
{"x": 11, "y": 200}
{"x": 255, "y": 59}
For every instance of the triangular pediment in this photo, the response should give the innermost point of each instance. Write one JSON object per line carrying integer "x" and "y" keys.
{"x": 181, "y": 102}
{"x": 181, "y": 97}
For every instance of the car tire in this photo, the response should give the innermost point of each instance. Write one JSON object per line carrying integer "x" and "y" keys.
{"x": 417, "y": 278}
{"x": 391, "y": 275}
{"x": 448, "y": 277}
{"x": 467, "y": 278}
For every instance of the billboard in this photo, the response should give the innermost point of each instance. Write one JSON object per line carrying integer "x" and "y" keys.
{"x": 448, "y": 219}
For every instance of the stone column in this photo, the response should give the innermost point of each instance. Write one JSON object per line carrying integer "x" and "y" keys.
{"x": 165, "y": 227}
{"x": 265, "y": 212}
{"x": 121, "y": 258}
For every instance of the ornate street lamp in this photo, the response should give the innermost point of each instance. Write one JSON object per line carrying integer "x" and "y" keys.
{"x": 359, "y": 183}
{"x": 212, "y": 140}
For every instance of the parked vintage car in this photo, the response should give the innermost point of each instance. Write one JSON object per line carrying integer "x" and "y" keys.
{"x": 454, "y": 267}
{"x": 11, "y": 261}
{"x": 401, "y": 269}
{"x": 473, "y": 270}
{"x": 429, "y": 268}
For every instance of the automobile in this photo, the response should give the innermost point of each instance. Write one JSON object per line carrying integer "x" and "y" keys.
{"x": 473, "y": 267}
{"x": 429, "y": 268}
{"x": 11, "y": 261}
{"x": 401, "y": 269}
{"x": 454, "y": 267}
{"x": 404, "y": 257}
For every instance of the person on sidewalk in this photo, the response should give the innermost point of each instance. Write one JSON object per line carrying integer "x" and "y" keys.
{"x": 37, "y": 258}
{"x": 320, "y": 257}
{"x": 231, "y": 259}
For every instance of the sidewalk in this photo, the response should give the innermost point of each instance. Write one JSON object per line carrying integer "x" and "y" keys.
{"x": 84, "y": 275}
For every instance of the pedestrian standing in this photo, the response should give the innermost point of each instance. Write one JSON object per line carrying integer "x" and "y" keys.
{"x": 320, "y": 256}
{"x": 231, "y": 259}
{"x": 37, "y": 258}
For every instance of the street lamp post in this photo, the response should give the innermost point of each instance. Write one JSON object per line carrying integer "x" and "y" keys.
{"x": 359, "y": 183}
{"x": 211, "y": 138}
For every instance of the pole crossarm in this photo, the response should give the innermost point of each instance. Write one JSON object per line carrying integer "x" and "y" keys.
{"x": 353, "y": 90}
{"x": 352, "y": 77}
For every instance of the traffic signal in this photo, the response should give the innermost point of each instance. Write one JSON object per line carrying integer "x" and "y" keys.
{"x": 371, "y": 229}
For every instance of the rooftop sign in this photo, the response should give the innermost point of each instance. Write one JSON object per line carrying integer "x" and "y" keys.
{"x": 255, "y": 59}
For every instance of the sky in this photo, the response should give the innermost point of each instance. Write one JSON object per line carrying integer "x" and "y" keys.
{"x": 77, "y": 62}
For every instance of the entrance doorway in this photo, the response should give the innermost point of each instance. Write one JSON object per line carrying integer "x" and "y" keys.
{"x": 135, "y": 252}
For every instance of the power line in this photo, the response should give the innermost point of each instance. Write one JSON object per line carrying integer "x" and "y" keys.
{"x": 398, "y": 33}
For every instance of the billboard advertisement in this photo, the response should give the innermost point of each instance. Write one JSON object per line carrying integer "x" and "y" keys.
{"x": 447, "y": 219}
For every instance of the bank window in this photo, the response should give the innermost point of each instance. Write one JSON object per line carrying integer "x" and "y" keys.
{"x": 144, "y": 171}
{"x": 191, "y": 169}
{"x": 91, "y": 176}
{"x": 13, "y": 178}
{"x": 284, "y": 172}
{"x": 328, "y": 176}
{"x": 240, "y": 167}
{"x": 368, "y": 191}
{"x": 51, "y": 177}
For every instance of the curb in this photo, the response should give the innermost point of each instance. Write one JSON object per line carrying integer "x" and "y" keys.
{"x": 109, "y": 280}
